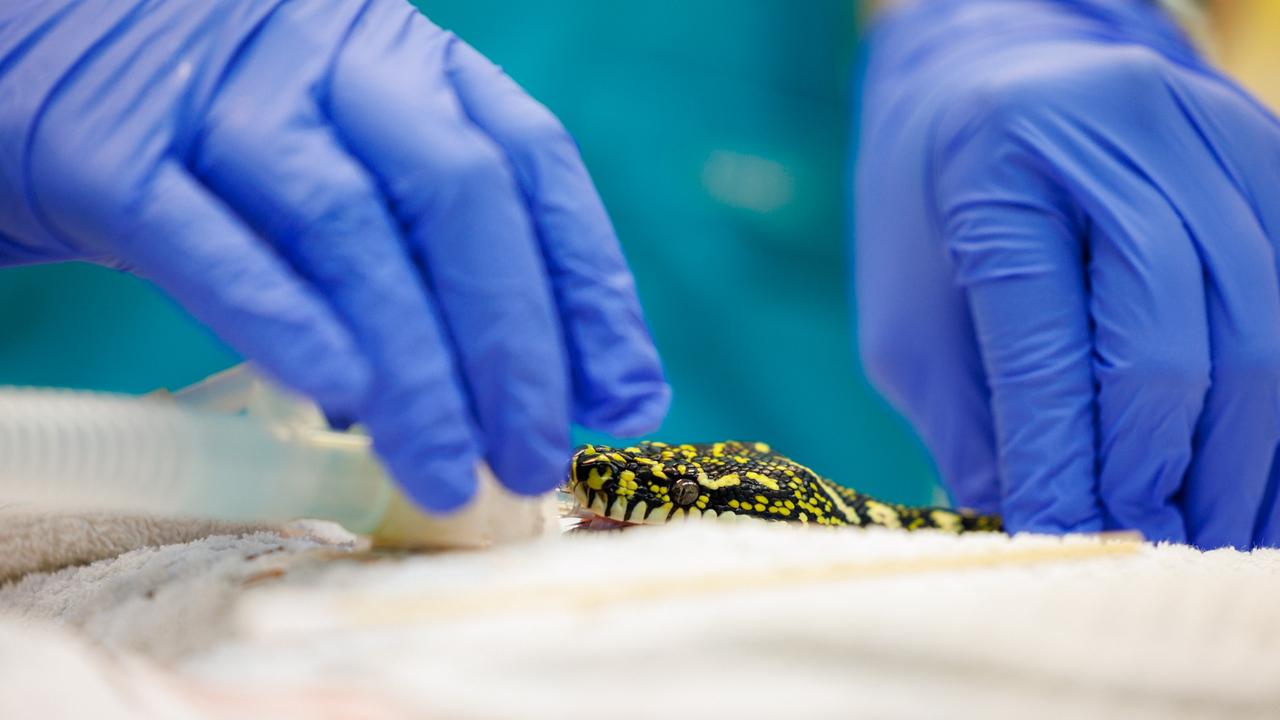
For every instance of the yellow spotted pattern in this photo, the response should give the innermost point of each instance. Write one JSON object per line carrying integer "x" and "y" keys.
{"x": 648, "y": 483}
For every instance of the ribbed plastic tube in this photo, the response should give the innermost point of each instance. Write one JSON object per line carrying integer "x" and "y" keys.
{"x": 69, "y": 450}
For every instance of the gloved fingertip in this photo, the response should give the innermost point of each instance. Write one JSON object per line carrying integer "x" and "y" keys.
{"x": 535, "y": 480}
{"x": 534, "y": 470}
{"x": 1213, "y": 540}
{"x": 638, "y": 410}
{"x": 1267, "y": 541}
{"x": 1163, "y": 524}
{"x": 340, "y": 401}
{"x": 1038, "y": 525}
{"x": 1211, "y": 545}
{"x": 338, "y": 418}
{"x": 1161, "y": 534}
{"x": 341, "y": 391}
{"x": 1050, "y": 499}
{"x": 439, "y": 486}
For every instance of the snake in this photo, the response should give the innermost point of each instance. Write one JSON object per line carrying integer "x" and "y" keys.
{"x": 652, "y": 483}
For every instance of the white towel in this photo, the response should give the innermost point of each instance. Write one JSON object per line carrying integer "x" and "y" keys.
{"x": 32, "y": 541}
{"x": 703, "y": 620}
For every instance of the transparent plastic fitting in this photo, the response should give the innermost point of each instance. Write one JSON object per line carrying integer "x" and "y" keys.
{"x": 231, "y": 447}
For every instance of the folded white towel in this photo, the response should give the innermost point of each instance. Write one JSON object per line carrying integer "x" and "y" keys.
{"x": 747, "y": 621}
{"x": 33, "y": 541}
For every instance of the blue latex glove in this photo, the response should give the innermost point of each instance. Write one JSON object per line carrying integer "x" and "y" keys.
{"x": 1066, "y": 267}
{"x": 352, "y": 198}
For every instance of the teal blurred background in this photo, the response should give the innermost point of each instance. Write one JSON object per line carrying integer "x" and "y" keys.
{"x": 717, "y": 132}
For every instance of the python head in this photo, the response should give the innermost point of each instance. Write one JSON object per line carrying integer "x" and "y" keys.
{"x": 647, "y": 483}
{"x": 654, "y": 482}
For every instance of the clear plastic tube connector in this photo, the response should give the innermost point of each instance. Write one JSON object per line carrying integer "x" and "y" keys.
{"x": 69, "y": 450}
{"x": 231, "y": 447}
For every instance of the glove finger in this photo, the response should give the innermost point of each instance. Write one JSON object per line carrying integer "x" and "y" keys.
{"x": 282, "y": 169}
{"x": 184, "y": 240}
{"x": 915, "y": 329}
{"x": 461, "y": 211}
{"x": 1014, "y": 243}
{"x": 928, "y": 367}
{"x": 1152, "y": 351}
{"x": 1243, "y": 137}
{"x": 1240, "y": 426}
{"x": 915, "y": 335}
{"x": 1267, "y": 532}
{"x": 1243, "y": 142}
{"x": 619, "y": 386}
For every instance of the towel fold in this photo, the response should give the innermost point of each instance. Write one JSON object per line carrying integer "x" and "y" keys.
{"x": 34, "y": 541}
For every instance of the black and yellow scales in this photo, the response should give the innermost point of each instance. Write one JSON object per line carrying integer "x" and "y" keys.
{"x": 654, "y": 482}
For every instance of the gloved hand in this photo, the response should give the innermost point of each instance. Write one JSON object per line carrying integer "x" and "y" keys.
{"x": 1067, "y": 270}
{"x": 352, "y": 198}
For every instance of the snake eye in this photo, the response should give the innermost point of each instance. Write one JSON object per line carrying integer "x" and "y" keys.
{"x": 685, "y": 492}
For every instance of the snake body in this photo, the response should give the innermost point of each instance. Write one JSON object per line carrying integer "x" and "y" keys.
{"x": 653, "y": 482}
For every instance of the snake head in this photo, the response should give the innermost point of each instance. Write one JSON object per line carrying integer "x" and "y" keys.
{"x": 646, "y": 483}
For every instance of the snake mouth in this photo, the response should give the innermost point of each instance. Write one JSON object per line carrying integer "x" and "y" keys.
{"x": 599, "y": 504}
{"x": 593, "y": 504}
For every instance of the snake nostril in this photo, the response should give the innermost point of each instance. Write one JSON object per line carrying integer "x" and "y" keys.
{"x": 685, "y": 492}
